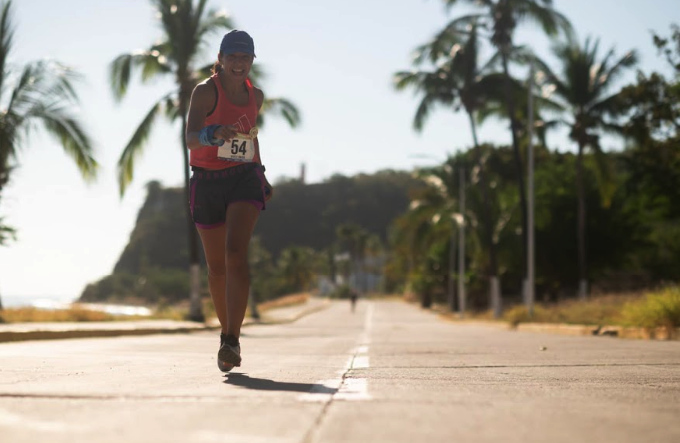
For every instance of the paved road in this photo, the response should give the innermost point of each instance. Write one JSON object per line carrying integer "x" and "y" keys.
{"x": 387, "y": 373}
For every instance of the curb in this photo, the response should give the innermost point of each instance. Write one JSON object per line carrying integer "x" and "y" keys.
{"x": 84, "y": 330}
{"x": 660, "y": 333}
{"x": 294, "y": 318}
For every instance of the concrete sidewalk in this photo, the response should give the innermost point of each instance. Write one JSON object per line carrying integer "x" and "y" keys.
{"x": 60, "y": 330}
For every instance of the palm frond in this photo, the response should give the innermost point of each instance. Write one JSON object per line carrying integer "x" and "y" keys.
{"x": 445, "y": 43}
{"x": 546, "y": 16}
{"x": 6, "y": 40}
{"x": 285, "y": 108}
{"x": 134, "y": 148}
{"x": 151, "y": 62}
{"x": 213, "y": 23}
{"x": 407, "y": 79}
{"x": 614, "y": 73}
{"x": 24, "y": 92}
{"x": 120, "y": 71}
{"x": 7, "y": 233}
{"x": 70, "y": 133}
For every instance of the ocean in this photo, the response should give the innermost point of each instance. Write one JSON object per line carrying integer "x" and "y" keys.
{"x": 43, "y": 302}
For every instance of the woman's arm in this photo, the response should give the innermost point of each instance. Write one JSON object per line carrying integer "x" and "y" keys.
{"x": 269, "y": 189}
{"x": 259, "y": 99}
{"x": 202, "y": 102}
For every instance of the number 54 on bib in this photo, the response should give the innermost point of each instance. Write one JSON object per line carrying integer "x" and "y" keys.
{"x": 241, "y": 148}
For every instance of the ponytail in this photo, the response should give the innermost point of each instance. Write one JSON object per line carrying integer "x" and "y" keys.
{"x": 217, "y": 67}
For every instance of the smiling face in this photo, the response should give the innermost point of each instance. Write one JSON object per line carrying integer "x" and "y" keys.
{"x": 237, "y": 65}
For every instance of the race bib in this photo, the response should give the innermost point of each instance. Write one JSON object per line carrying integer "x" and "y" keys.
{"x": 241, "y": 148}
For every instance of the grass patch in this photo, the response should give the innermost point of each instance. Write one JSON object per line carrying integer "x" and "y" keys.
{"x": 284, "y": 301}
{"x": 655, "y": 309}
{"x": 74, "y": 314}
{"x": 602, "y": 310}
{"x": 77, "y": 313}
{"x": 661, "y": 308}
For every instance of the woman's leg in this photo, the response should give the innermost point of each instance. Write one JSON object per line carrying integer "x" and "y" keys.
{"x": 241, "y": 219}
{"x": 214, "y": 245}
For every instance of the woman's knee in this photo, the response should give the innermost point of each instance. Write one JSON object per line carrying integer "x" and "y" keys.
{"x": 237, "y": 257}
{"x": 217, "y": 269}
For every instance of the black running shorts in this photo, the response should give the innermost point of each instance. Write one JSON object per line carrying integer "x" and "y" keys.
{"x": 212, "y": 191}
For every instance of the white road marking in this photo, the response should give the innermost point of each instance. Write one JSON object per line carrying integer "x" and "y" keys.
{"x": 347, "y": 388}
{"x": 353, "y": 389}
{"x": 360, "y": 362}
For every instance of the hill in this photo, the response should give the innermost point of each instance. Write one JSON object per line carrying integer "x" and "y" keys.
{"x": 153, "y": 264}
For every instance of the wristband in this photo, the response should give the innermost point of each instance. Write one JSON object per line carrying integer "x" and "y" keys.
{"x": 206, "y": 136}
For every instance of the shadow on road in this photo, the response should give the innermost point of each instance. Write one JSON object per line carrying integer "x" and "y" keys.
{"x": 263, "y": 384}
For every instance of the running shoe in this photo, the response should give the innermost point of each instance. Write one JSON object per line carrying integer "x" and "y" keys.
{"x": 223, "y": 366}
{"x": 230, "y": 351}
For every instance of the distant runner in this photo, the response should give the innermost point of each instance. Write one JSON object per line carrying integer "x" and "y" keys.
{"x": 353, "y": 296}
{"x": 228, "y": 186}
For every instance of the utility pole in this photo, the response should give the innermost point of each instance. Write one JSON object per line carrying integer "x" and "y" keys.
{"x": 530, "y": 200}
{"x": 452, "y": 267}
{"x": 461, "y": 245}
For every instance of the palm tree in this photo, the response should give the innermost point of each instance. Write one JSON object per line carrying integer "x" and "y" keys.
{"x": 186, "y": 25}
{"x": 427, "y": 224}
{"x": 502, "y": 17}
{"x": 39, "y": 94}
{"x": 459, "y": 82}
{"x": 296, "y": 268}
{"x": 354, "y": 238}
{"x": 583, "y": 88}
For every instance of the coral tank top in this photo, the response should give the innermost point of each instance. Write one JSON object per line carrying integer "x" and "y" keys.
{"x": 226, "y": 113}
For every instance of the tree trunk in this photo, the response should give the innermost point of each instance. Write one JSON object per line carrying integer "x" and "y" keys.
{"x": 494, "y": 295}
{"x": 331, "y": 265}
{"x": 582, "y": 283}
{"x": 195, "y": 309}
{"x": 510, "y": 102}
{"x": 452, "y": 270}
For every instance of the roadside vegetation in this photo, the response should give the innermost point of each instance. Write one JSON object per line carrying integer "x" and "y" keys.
{"x": 648, "y": 310}
{"x": 78, "y": 313}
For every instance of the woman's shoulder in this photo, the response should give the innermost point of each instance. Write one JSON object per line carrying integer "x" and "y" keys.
{"x": 207, "y": 84}
{"x": 205, "y": 90}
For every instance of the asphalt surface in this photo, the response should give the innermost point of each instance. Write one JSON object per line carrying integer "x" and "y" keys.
{"x": 388, "y": 372}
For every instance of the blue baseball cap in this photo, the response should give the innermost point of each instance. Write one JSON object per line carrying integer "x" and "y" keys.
{"x": 237, "y": 41}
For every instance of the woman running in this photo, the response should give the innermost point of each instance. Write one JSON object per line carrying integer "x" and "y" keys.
{"x": 228, "y": 186}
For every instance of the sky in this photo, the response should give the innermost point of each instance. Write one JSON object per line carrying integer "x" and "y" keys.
{"x": 334, "y": 60}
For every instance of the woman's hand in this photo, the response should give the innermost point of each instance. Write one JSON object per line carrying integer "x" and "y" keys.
{"x": 225, "y": 132}
{"x": 267, "y": 187}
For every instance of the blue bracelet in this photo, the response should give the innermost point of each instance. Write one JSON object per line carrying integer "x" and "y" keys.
{"x": 206, "y": 136}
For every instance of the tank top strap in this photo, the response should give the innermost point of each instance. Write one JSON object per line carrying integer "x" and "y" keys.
{"x": 251, "y": 93}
